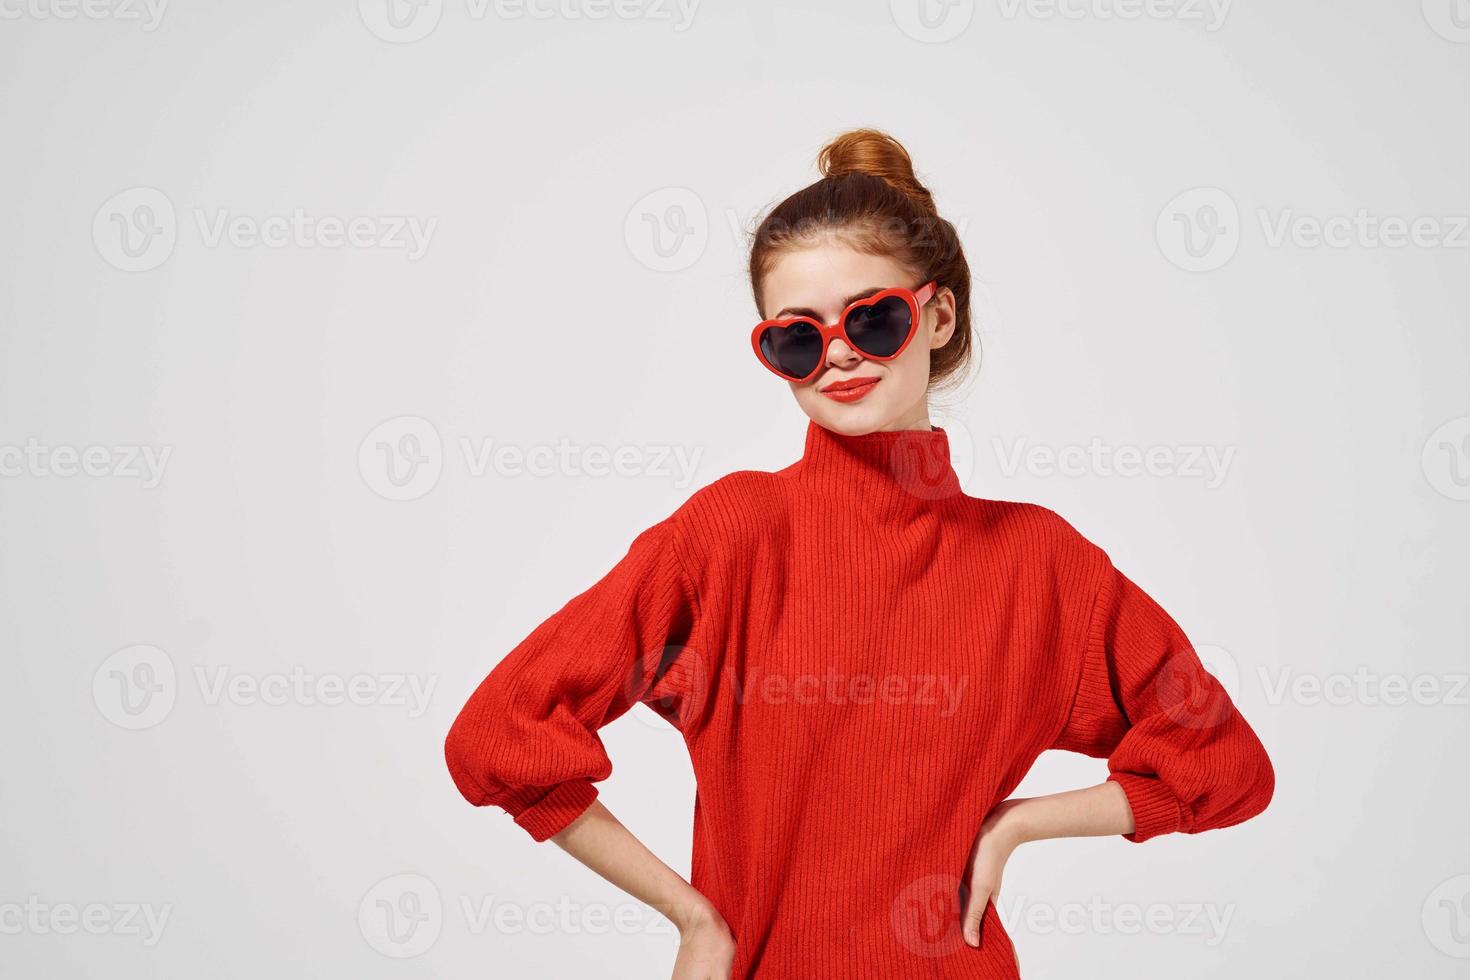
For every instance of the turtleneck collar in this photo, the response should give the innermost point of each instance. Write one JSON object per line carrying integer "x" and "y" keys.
{"x": 895, "y": 472}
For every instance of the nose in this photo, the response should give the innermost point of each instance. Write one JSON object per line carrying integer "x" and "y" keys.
{"x": 840, "y": 355}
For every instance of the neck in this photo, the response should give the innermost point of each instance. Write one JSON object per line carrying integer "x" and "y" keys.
{"x": 893, "y": 474}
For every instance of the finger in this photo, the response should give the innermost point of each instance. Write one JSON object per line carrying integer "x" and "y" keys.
{"x": 974, "y": 914}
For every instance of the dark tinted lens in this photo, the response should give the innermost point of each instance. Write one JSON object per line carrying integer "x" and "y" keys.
{"x": 880, "y": 329}
{"x": 794, "y": 350}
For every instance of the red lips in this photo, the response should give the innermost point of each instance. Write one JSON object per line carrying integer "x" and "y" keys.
{"x": 850, "y": 389}
{"x": 847, "y": 383}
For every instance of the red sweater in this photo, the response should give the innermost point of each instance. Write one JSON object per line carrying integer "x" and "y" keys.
{"x": 862, "y": 660}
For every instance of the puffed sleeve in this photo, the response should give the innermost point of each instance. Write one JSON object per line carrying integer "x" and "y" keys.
{"x": 527, "y": 739}
{"x": 1174, "y": 740}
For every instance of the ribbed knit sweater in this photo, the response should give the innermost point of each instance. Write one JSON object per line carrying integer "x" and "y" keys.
{"x": 862, "y": 660}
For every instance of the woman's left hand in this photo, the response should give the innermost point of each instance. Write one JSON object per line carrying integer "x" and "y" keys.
{"x": 1093, "y": 812}
{"x": 1000, "y": 834}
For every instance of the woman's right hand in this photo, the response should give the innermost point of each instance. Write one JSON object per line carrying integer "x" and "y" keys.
{"x": 706, "y": 948}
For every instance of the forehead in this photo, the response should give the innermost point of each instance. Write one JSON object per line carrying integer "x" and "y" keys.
{"x": 821, "y": 277}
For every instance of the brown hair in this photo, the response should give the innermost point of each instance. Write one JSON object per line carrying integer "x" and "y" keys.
{"x": 869, "y": 196}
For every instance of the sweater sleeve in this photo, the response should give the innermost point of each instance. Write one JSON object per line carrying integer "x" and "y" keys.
{"x": 527, "y": 739}
{"x": 1175, "y": 742}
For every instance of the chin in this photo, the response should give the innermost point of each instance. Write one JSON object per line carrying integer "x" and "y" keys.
{"x": 850, "y": 420}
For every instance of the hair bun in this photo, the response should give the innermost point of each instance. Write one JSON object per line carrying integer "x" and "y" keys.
{"x": 871, "y": 151}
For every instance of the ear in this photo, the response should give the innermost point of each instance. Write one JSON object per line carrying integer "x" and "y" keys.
{"x": 942, "y": 309}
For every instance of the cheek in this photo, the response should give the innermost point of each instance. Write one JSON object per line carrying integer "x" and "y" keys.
{"x": 910, "y": 370}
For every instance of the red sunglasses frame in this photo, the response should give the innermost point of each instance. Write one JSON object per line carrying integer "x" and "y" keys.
{"x": 915, "y": 298}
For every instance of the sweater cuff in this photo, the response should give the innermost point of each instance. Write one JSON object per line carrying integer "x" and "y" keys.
{"x": 565, "y": 803}
{"x": 1155, "y": 809}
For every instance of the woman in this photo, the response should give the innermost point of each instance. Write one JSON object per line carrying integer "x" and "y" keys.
{"x": 863, "y": 660}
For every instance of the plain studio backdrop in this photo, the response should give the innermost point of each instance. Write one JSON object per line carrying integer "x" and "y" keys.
{"x": 341, "y": 344}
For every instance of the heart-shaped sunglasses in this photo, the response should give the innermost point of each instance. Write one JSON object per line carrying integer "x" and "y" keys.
{"x": 878, "y": 327}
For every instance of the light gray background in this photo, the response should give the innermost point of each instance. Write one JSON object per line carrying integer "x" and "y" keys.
{"x": 1119, "y": 181}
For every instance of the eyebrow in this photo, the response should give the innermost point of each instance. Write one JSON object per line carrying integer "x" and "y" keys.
{"x": 808, "y": 311}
